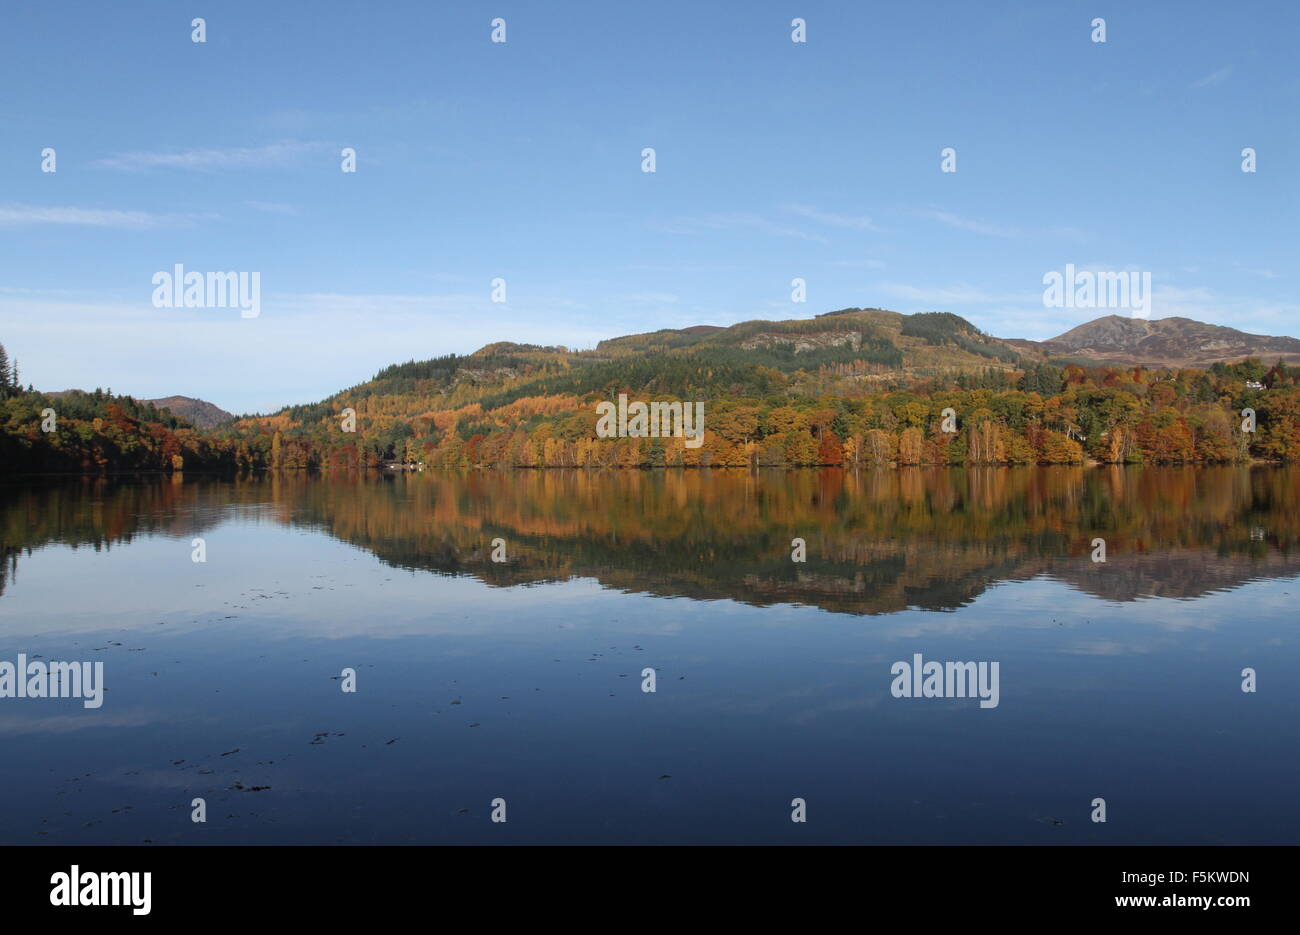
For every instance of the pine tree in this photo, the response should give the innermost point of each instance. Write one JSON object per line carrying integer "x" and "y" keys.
{"x": 6, "y": 375}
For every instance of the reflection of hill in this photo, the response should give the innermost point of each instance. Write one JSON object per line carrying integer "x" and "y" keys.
{"x": 877, "y": 542}
{"x": 1175, "y": 574}
{"x": 99, "y": 513}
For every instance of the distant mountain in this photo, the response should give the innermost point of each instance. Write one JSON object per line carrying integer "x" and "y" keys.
{"x": 854, "y": 386}
{"x": 1164, "y": 342}
{"x": 928, "y": 343}
{"x": 844, "y": 352}
{"x": 198, "y": 412}
{"x": 923, "y": 344}
{"x": 756, "y": 358}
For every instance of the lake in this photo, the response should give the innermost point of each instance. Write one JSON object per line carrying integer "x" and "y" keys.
{"x": 498, "y": 628}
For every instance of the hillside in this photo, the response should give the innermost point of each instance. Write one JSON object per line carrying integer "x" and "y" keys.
{"x": 859, "y": 386}
{"x": 76, "y": 432}
{"x": 924, "y": 344}
{"x": 834, "y": 352}
{"x": 840, "y": 353}
{"x": 854, "y": 387}
{"x": 1164, "y": 342}
{"x": 198, "y": 412}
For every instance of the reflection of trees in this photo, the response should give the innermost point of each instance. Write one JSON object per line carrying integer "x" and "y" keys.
{"x": 877, "y": 541}
{"x": 99, "y": 513}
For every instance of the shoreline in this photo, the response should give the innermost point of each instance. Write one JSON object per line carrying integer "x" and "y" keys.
{"x": 384, "y": 470}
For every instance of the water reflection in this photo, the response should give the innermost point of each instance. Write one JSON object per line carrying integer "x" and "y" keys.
{"x": 522, "y": 678}
{"x": 877, "y": 542}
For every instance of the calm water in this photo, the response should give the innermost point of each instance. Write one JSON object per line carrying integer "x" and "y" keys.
{"x": 522, "y": 679}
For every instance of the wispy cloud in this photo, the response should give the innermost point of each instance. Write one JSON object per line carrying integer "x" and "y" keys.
{"x": 857, "y": 264}
{"x": 958, "y": 294}
{"x": 1067, "y": 232}
{"x": 735, "y": 222}
{"x": 272, "y": 156}
{"x": 861, "y": 223}
{"x": 95, "y": 217}
{"x": 711, "y": 269}
{"x": 1261, "y": 272}
{"x": 272, "y": 207}
{"x": 647, "y": 298}
{"x": 968, "y": 224}
{"x": 1213, "y": 78}
{"x": 65, "y": 723}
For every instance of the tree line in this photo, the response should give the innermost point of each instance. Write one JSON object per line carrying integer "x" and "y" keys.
{"x": 472, "y": 413}
{"x": 1041, "y": 415}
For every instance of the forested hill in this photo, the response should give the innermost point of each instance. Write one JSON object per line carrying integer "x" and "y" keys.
{"x": 851, "y": 346}
{"x": 97, "y": 432}
{"x": 73, "y": 431}
{"x": 839, "y": 352}
{"x": 853, "y": 386}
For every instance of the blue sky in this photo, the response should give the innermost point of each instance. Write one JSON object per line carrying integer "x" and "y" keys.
{"x": 522, "y": 160}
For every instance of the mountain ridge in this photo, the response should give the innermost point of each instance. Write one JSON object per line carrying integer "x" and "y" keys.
{"x": 1174, "y": 341}
{"x": 854, "y": 387}
{"x": 1170, "y": 342}
{"x": 832, "y": 352}
{"x": 197, "y": 412}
